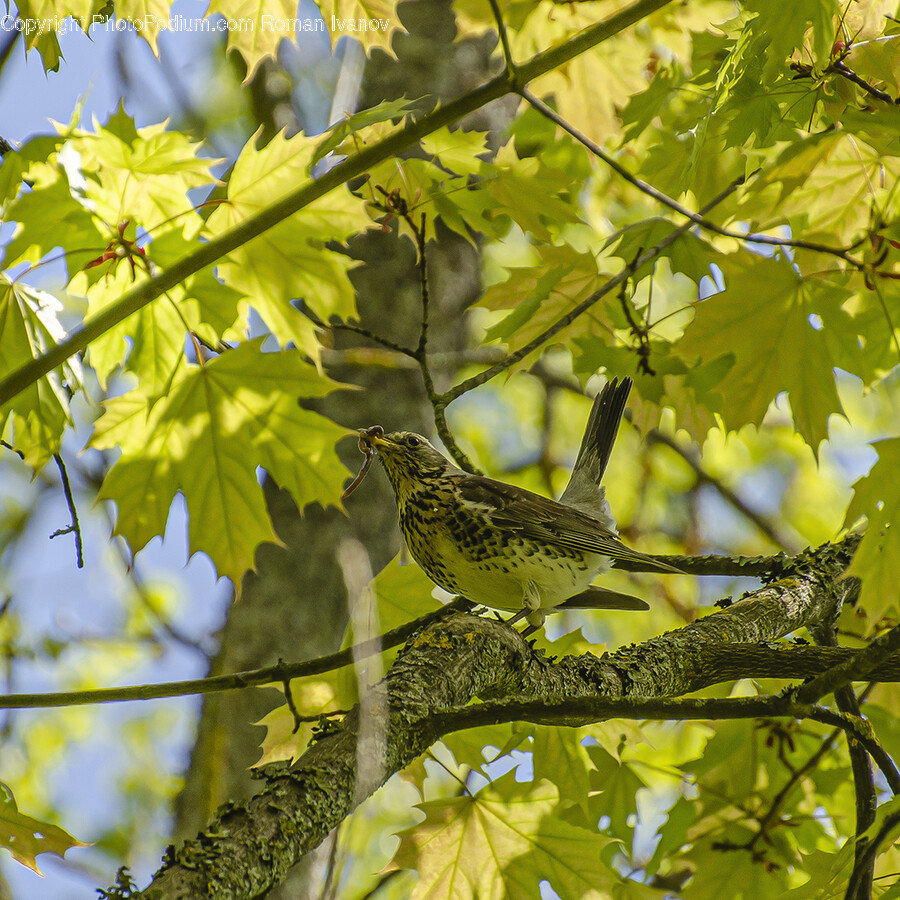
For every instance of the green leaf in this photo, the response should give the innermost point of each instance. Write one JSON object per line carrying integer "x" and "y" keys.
{"x": 806, "y": 26}
{"x": 34, "y": 420}
{"x": 539, "y": 295}
{"x": 206, "y": 438}
{"x": 735, "y": 874}
{"x": 829, "y": 873}
{"x": 403, "y": 592}
{"x": 144, "y": 181}
{"x": 257, "y": 38}
{"x": 380, "y": 12}
{"x": 762, "y": 318}
{"x": 502, "y": 842}
{"x": 673, "y": 835}
{"x": 152, "y": 339}
{"x": 290, "y": 260}
{"x": 618, "y": 785}
{"x": 386, "y": 111}
{"x": 456, "y": 150}
{"x": 560, "y": 758}
{"x": 877, "y": 561}
{"x": 51, "y": 217}
{"x": 26, "y": 838}
{"x": 284, "y": 740}
{"x": 689, "y": 255}
{"x": 19, "y": 163}
{"x": 470, "y": 747}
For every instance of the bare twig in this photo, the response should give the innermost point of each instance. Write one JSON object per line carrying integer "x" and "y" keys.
{"x": 765, "y": 822}
{"x": 74, "y": 527}
{"x": 846, "y": 72}
{"x": 769, "y": 529}
{"x": 357, "y": 329}
{"x": 239, "y": 680}
{"x": 397, "y": 205}
{"x": 504, "y": 40}
{"x": 9, "y": 446}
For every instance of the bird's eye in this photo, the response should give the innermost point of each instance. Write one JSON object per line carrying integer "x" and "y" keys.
{"x": 413, "y": 441}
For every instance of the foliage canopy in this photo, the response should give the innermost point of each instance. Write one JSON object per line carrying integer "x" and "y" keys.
{"x": 702, "y": 196}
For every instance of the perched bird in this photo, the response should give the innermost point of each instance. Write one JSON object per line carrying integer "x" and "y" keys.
{"x": 500, "y": 545}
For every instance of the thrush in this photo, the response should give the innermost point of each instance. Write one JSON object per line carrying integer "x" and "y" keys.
{"x": 503, "y": 546}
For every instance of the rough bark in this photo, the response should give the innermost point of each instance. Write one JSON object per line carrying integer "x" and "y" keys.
{"x": 249, "y": 846}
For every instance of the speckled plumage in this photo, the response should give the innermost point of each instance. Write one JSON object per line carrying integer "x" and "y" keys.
{"x": 503, "y": 546}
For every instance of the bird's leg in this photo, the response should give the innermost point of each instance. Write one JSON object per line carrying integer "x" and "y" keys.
{"x": 531, "y": 607}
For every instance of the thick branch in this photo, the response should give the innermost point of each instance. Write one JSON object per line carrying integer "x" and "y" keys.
{"x": 250, "y": 846}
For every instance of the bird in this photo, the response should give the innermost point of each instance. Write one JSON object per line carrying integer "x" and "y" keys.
{"x": 504, "y": 547}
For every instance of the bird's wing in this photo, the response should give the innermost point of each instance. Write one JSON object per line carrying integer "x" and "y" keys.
{"x": 530, "y": 515}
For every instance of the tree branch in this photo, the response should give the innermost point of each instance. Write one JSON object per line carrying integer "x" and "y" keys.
{"x": 250, "y": 845}
{"x": 214, "y": 249}
{"x": 697, "y": 218}
{"x": 769, "y": 529}
{"x": 74, "y": 527}
{"x": 647, "y": 256}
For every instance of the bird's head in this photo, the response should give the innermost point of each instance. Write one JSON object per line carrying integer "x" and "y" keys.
{"x": 408, "y": 458}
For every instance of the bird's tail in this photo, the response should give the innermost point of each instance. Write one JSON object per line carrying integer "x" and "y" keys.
{"x": 596, "y": 597}
{"x": 596, "y": 445}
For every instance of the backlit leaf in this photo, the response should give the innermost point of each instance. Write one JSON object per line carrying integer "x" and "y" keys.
{"x": 877, "y": 561}
{"x": 26, "y": 838}
{"x": 502, "y": 842}
{"x": 206, "y": 438}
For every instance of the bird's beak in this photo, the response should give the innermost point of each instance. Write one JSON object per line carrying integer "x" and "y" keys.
{"x": 373, "y": 437}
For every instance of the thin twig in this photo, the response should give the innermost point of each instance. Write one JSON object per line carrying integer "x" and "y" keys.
{"x": 504, "y": 40}
{"x": 379, "y": 357}
{"x": 778, "y": 800}
{"x": 846, "y": 72}
{"x": 769, "y": 529}
{"x": 421, "y": 353}
{"x": 357, "y": 329}
{"x": 9, "y": 446}
{"x": 697, "y": 218}
{"x": 74, "y": 527}
{"x": 239, "y": 680}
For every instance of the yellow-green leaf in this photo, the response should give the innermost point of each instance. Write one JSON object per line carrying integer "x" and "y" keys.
{"x": 35, "y": 419}
{"x": 206, "y": 438}
{"x": 502, "y": 842}
{"x": 877, "y": 561}
{"x": 762, "y": 319}
{"x": 290, "y": 260}
{"x": 26, "y": 838}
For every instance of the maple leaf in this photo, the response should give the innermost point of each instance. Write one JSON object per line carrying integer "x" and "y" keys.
{"x": 290, "y": 260}
{"x": 284, "y": 740}
{"x": 26, "y": 838}
{"x": 877, "y": 560}
{"x": 502, "y": 842}
{"x": 762, "y": 319}
{"x": 206, "y": 437}
{"x": 339, "y": 13}
{"x": 36, "y": 418}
